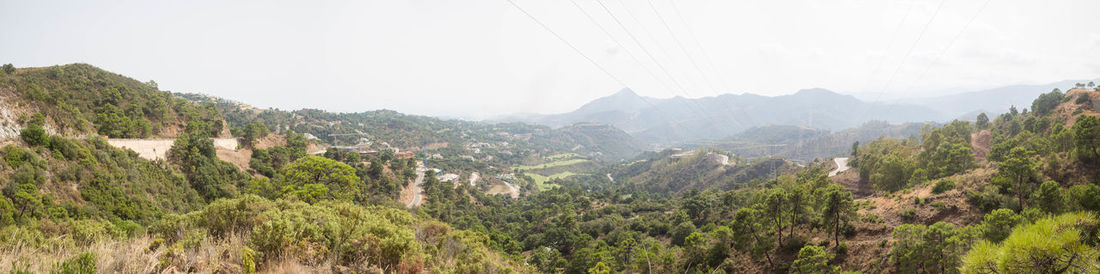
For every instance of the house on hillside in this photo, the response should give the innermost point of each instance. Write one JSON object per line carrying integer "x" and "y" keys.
{"x": 403, "y": 155}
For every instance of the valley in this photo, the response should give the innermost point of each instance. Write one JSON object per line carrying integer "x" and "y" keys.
{"x": 213, "y": 174}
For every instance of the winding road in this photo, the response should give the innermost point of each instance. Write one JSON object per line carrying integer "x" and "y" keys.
{"x": 417, "y": 188}
{"x": 841, "y": 166}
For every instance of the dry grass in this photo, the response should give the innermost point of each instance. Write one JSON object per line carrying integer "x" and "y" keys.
{"x": 135, "y": 255}
{"x": 126, "y": 256}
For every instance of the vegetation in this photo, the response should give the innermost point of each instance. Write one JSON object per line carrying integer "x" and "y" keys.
{"x": 922, "y": 204}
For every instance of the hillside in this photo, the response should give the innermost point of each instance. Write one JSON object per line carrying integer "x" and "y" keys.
{"x": 675, "y": 170}
{"x": 71, "y": 200}
{"x": 510, "y": 143}
{"x": 80, "y": 99}
{"x": 511, "y": 197}
{"x": 995, "y": 100}
{"x": 805, "y": 145}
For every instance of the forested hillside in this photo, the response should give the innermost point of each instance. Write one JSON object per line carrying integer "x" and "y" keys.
{"x": 79, "y": 205}
{"x": 513, "y": 143}
{"x": 1014, "y": 193}
{"x": 78, "y": 99}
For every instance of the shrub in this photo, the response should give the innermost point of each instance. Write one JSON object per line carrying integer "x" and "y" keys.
{"x": 908, "y": 215}
{"x": 812, "y": 259}
{"x": 842, "y": 249}
{"x": 89, "y": 231}
{"x": 83, "y": 263}
{"x": 248, "y": 260}
{"x": 34, "y": 135}
{"x": 943, "y": 186}
{"x": 1082, "y": 99}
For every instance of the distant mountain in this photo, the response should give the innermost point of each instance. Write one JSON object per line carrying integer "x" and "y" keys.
{"x": 992, "y": 101}
{"x": 803, "y": 144}
{"x": 678, "y": 120}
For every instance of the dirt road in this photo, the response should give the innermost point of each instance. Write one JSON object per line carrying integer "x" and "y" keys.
{"x": 153, "y": 149}
{"x": 473, "y": 178}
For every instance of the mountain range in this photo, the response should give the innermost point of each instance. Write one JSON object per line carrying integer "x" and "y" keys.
{"x": 678, "y": 120}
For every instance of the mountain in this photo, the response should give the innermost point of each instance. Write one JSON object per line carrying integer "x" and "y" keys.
{"x": 676, "y": 170}
{"x": 678, "y": 120}
{"x": 804, "y": 145}
{"x": 993, "y": 101}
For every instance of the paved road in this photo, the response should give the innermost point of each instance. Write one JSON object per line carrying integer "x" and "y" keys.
{"x": 841, "y": 166}
{"x": 418, "y": 197}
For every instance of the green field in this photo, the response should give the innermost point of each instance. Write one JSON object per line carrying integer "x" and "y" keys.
{"x": 540, "y": 180}
{"x": 552, "y": 164}
{"x": 562, "y": 156}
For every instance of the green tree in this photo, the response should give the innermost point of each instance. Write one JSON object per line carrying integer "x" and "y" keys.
{"x": 339, "y": 178}
{"x": 748, "y": 234}
{"x": 1047, "y": 102}
{"x": 982, "y": 120}
{"x": 8, "y": 68}
{"x": 1019, "y": 167}
{"x": 798, "y": 204}
{"x": 1049, "y": 197}
{"x": 950, "y": 159}
{"x": 1086, "y": 133}
{"x": 1056, "y": 244}
{"x": 775, "y": 208}
{"x": 932, "y": 249}
{"x": 1084, "y": 197}
{"x": 837, "y": 210}
{"x": 997, "y": 225}
{"x": 812, "y": 259}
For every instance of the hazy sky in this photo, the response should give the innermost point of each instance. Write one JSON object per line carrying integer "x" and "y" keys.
{"x": 475, "y": 58}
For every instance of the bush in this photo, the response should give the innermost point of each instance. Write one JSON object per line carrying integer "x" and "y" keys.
{"x": 943, "y": 186}
{"x": 90, "y": 231}
{"x": 908, "y": 215}
{"x": 248, "y": 260}
{"x": 812, "y": 259}
{"x": 34, "y": 135}
{"x": 83, "y": 263}
{"x": 1083, "y": 99}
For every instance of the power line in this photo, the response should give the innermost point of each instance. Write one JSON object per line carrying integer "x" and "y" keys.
{"x": 693, "y": 62}
{"x": 639, "y": 43}
{"x": 889, "y": 46}
{"x": 890, "y": 81}
{"x": 681, "y": 45}
{"x": 579, "y": 52}
{"x": 618, "y": 43}
{"x": 702, "y": 49}
{"x": 697, "y": 107}
{"x": 590, "y": 60}
{"x": 950, "y": 44}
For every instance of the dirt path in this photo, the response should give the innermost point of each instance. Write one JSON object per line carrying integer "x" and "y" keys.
{"x": 980, "y": 142}
{"x": 417, "y": 187}
{"x": 154, "y": 149}
{"x": 473, "y": 178}
{"x": 513, "y": 189}
{"x": 841, "y": 166}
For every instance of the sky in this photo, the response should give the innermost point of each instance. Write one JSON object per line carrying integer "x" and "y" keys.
{"x": 482, "y": 58}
